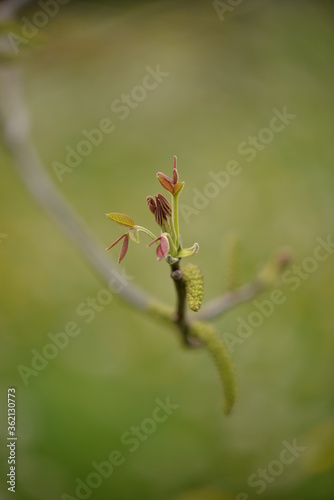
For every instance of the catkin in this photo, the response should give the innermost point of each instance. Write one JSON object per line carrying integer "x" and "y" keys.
{"x": 222, "y": 359}
{"x": 194, "y": 285}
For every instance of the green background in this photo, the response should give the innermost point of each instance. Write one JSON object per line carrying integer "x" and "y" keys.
{"x": 225, "y": 78}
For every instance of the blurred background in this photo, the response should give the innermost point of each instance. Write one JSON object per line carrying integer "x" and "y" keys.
{"x": 225, "y": 71}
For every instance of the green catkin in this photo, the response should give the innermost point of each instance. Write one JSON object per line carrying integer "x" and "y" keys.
{"x": 194, "y": 285}
{"x": 222, "y": 359}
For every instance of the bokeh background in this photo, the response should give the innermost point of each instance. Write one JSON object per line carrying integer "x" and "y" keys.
{"x": 225, "y": 78}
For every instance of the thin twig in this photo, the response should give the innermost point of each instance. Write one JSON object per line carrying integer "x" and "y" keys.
{"x": 9, "y": 8}
{"x": 227, "y": 301}
{"x": 15, "y": 124}
{"x": 16, "y": 128}
{"x": 181, "y": 319}
{"x": 181, "y": 294}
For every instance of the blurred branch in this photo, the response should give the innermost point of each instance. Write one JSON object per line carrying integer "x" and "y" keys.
{"x": 9, "y": 8}
{"x": 221, "y": 304}
{"x": 266, "y": 278}
{"x": 16, "y": 133}
{"x": 180, "y": 316}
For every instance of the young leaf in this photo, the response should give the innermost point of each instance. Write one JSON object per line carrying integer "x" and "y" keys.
{"x": 161, "y": 200}
{"x": 178, "y": 187}
{"x": 186, "y": 252}
{"x": 164, "y": 245}
{"x": 165, "y": 181}
{"x": 124, "y": 248}
{"x": 116, "y": 241}
{"x": 122, "y": 219}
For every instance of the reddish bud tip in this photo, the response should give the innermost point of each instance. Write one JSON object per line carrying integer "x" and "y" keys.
{"x": 151, "y": 204}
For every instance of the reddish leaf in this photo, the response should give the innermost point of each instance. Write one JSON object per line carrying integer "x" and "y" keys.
{"x": 124, "y": 248}
{"x": 163, "y": 248}
{"x": 167, "y": 209}
{"x": 163, "y": 210}
{"x": 116, "y": 241}
{"x": 164, "y": 245}
{"x": 165, "y": 181}
{"x": 159, "y": 216}
{"x": 159, "y": 253}
{"x": 153, "y": 241}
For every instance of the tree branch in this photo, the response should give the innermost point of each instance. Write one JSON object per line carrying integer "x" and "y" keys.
{"x": 180, "y": 287}
{"x": 228, "y": 300}
{"x": 15, "y": 125}
{"x": 180, "y": 317}
{"x": 265, "y": 279}
{"x": 9, "y": 8}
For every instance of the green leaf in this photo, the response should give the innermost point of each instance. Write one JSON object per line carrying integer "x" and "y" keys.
{"x": 222, "y": 359}
{"x": 122, "y": 219}
{"x": 186, "y": 252}
{"x": 178, "y": 187}
{"x": 194, "y": 286}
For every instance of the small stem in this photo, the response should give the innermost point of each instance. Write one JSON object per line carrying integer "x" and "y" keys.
{"x": 181, "y": 292}
{"x": 175, "y": 216}
{"x": 146, "y": 231}
{"x": 172, "y": 246}
{"x": 180, "y": 316}
{"x": 171, "y": 230}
